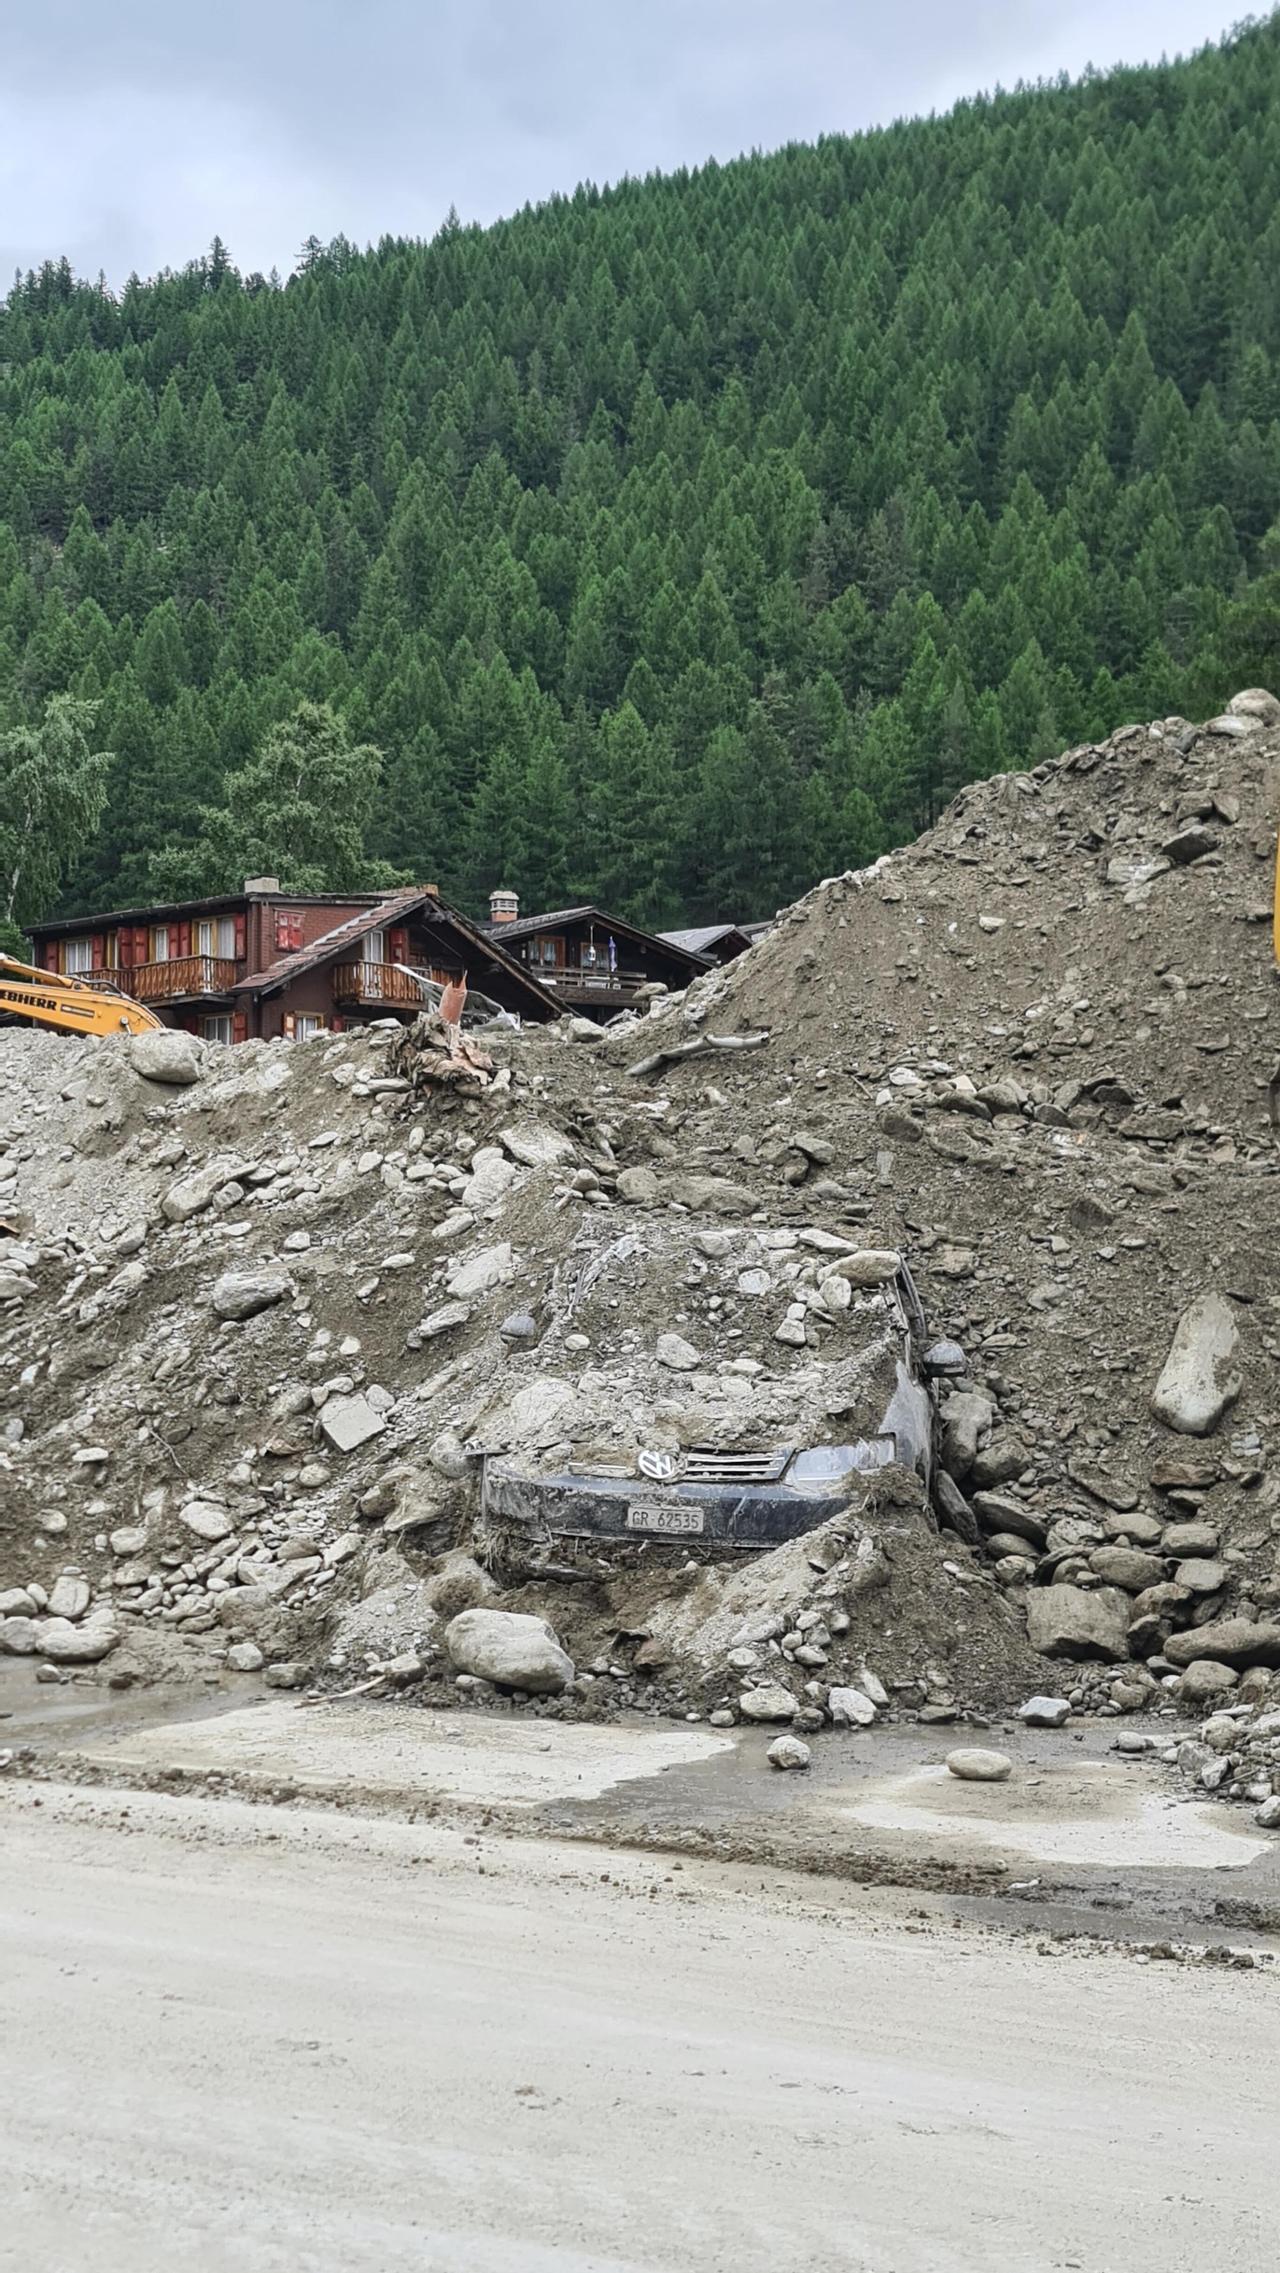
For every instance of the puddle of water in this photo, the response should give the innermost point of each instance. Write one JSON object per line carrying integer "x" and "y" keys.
{"x": 1092, "y": 1819}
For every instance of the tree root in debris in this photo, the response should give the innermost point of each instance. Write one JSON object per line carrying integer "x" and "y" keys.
{"x": 673, "y": 1053}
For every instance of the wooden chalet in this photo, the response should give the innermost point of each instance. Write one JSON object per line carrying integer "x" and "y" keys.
{"x": 593, "y": 963}
{"x": 266, "y": 963}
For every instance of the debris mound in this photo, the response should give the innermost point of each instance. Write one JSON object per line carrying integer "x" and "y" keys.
{"x": 264, "y": 1333}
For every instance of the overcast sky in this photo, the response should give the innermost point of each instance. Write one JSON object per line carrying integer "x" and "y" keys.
{"x": 133, "y": 130}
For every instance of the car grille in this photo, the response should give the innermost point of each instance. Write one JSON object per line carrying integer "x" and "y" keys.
{"x": 705, "y": 1465}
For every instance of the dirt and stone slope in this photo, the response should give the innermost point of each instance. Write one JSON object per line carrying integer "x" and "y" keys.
{"x": 257, "y": 1326}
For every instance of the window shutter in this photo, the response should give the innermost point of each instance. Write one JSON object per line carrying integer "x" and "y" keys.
{"x": 398, "y": 944}
{"x": 51, "y": 962}
{"x": 97, "y": 951}
{"x": 241, "y": 943}
{"x": 288, "y": 1025}
{"x": 239, "y": 1019}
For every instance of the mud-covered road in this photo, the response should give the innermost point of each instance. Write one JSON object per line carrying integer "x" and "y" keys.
{"x": 278, "y": 2040}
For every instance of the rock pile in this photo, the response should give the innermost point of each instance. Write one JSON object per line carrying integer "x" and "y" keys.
{"x": 265, "y": 1311}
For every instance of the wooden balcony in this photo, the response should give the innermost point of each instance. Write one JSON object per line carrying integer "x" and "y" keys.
{"x": 186, "y": 978}
{"x": 377, "y": 986}
{"x": 596, "y": 984}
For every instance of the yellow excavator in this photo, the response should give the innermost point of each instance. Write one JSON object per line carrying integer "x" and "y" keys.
{"x": 68, "y": 1003}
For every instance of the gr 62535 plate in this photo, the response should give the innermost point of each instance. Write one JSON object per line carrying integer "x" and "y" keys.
{"x": 670, "y": 1521}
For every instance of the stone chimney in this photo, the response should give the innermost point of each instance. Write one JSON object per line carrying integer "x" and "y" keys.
{"x": 504, "y": 907}
{"x": 257, "y": 885}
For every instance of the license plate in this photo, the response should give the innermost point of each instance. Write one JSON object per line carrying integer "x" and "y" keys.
{"x": 671, "y": 1521}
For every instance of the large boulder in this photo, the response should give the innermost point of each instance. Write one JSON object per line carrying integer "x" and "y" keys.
{"x": 1227, "y": 1641}
{"x": 1067, "y": 1621}
{"x": 1199, "y": 1381}
{"x": 166, "y": 1056}
{"x": 64, "y": 1644}
{"x": 505, "y": 1646}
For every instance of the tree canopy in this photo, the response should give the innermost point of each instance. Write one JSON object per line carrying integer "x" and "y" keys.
{"x": 678, "y": 543}
{"x": 53, "y": 787}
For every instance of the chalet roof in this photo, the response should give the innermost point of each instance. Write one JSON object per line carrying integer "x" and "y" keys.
{"x": 529, "y": 927}
{"x": 162, "y": 911}
{"x": 391, "y": 908}
{"x": 704, "y": 936}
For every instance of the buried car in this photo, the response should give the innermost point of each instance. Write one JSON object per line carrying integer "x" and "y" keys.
{"x": 763, "y": 1484}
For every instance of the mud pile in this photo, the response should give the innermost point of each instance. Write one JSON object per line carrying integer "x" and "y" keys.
{"x": 259, "y": 1330}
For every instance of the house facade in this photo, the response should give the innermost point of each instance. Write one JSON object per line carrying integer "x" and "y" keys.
{"x": 266, "y": 963}
{"x": 592, "y": 963}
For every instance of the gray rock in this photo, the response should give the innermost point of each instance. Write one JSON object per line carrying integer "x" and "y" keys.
{"x": 769, "y": 1702}
{"x": 192, "y": 1194}
{"x": 286, "y": 1673}
{"x": 479, "y": 1274}
{"x": 869, "y": 1266}
{"x": 1189, "y": 1539}
{"x": 207, "y": 1519}
{"x": 519, "y": 1327}
{"x": 1190, "y": 844}
{"x": 999, "y": 1511}
{"x": 1067, "y": 1621}
{"x": 1128, "y": 1567}
{"x": 1198, "y": 1381}
{"x": 70, "y": 1597}
{"x": 244, "y": 1657}
{"x": 673, "y": 1351}
{"x": 1045, "y": 1712}
{"x": 788, "y": 1752}
{"x": 170, "y": 1057}
{"x": 1203, "y": 1680}
{"x": 1268, "y": 1815}
{"x": 64, "y": 1644}
{"x": 640, "y": 1186}
{"x": 1000, "y": 1462}
{"x": 346, "y": 1422}
{"x": 1256, "y": 702}
{"x": 507, "y": 1647}
{"x": 443, "y": 1321}
{"x": 966, "y": 1418}
{"x": 1200, "y": 1575}
{"x": 943, "y": 1359}
{"x": 1228, "y": 1641}
{"x": 242, "y": 1294}
{"x": 534, "y": 1145}
{"x": 17, "y": 1637}
{"x": 850, "y": 1708}
{"x": 973, "y": 1765}
{"x": 15, "y": 1602}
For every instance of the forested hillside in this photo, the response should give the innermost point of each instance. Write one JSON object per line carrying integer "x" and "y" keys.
{"x": 683, "y": 542}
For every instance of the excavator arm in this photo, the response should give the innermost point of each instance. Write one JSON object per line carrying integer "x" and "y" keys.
{"x": 67, "y": 1003}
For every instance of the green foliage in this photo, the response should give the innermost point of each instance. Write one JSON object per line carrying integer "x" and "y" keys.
{"x": 53, "y": 786}
{"x": 674, "y": 544}
{"x": 300, "y": 810}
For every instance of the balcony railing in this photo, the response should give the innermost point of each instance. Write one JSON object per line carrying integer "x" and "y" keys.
{"x": 183, "y": 979}
{"x": 584, "y": 983}
{"x": 369, "y": 985}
